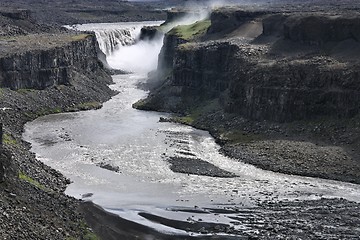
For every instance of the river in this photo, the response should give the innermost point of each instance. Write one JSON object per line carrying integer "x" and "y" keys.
{"x": 118, "y": 158}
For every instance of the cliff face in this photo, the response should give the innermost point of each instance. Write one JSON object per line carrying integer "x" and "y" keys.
{"x": 204, "y": 67}
{"x": 39, "y": 69}
{"x": 167, "y": 53}
{"x": 295, "y": 90}
{"x": 226, "y": 21}
{"x": 319, "y": 30}
{"x": 289, "y": 72}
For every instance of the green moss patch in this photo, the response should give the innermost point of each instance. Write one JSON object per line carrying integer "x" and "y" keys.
{"x": 25, "y": 90}
{"x": 193, "y": 31}
{"x": 33, "y": 182}
{"x": 9, "y": 140}
{"x": 200, "y": 117}
{"x": 80, "y": 37}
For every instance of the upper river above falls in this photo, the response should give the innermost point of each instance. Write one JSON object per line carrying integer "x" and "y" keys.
{"x": 119, "y": 158}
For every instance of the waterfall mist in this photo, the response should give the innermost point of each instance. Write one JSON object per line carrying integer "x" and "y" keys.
{"x": 141, "y": 57}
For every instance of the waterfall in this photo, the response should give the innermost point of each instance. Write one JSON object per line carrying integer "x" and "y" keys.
{"x": 110, "y": 39}
{"x": 112, "y": 36}
{"x": 122, "y": 45}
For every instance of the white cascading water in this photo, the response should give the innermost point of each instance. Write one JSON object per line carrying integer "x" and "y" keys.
{"x": 110, "y": 40}
{"x": 117, "y": 41}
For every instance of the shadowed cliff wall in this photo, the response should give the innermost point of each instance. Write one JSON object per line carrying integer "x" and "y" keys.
{"x": 39, "y": 69}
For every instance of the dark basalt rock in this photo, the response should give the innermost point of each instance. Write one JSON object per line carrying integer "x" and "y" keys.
{"x": 313, "y": 29}
{"x": 166, "y": 56}
{"x": 321, "y": 29}
{"x": 224, "y": 21}
{"x": 40, "y": 69}
{"x": 265, "y": 82}
{"x": 148, "y": 33}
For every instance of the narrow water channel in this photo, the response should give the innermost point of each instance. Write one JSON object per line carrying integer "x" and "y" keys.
{"x": 118, "y": 157}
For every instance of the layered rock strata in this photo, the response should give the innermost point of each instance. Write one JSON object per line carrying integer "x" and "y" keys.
{"x": 289, "y": 71}
{"x": 42, "y": 68}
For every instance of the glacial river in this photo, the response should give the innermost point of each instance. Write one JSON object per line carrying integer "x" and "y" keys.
{"x": 136, "y": 146}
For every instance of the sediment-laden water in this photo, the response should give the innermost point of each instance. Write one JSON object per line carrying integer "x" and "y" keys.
{"x": 123, "y": 160}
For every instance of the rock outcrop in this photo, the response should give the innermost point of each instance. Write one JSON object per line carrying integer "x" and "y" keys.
{"x": 149, "y": 33}
{"x": 39, "y": 69}
{"x": 167, "y": 53}
{"x": 226, "y": 21}
{"x": 321, "y": 29}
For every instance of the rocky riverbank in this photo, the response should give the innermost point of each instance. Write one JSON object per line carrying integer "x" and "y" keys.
{"x": 42, "y": 72}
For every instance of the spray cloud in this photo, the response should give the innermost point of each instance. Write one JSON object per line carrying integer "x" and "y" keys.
{"x": 143, "y": 56}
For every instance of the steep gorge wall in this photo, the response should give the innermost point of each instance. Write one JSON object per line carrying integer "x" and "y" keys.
{"x": 293, "y": 91}
{"x": 204, "y": 68}
{"x": 39, "y": 69}
{"x": 321, "y": 29}
{"x": 254, "y": 84}
{"x": 167, "y": 53}
{"x": 313, "y": 29}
